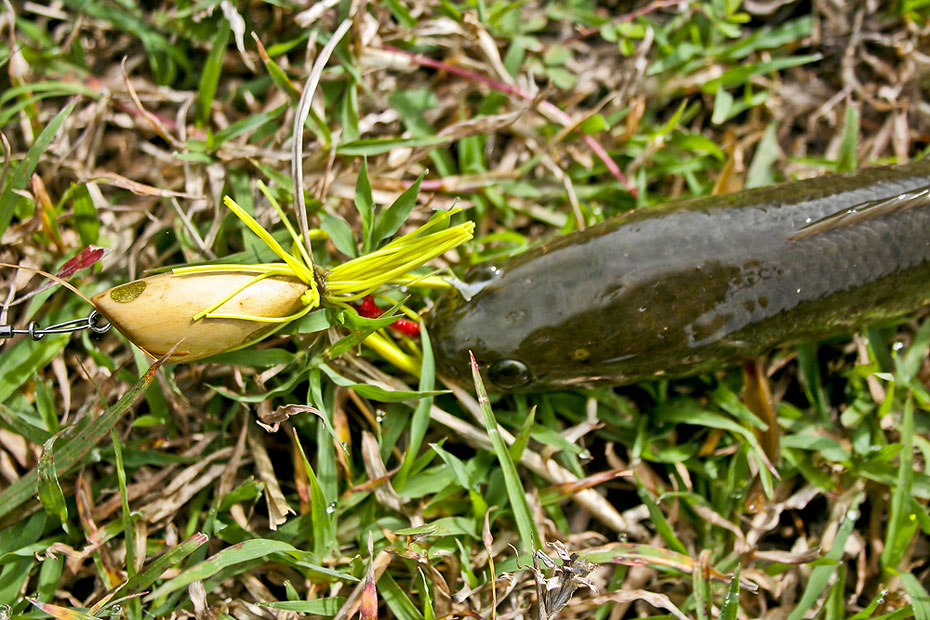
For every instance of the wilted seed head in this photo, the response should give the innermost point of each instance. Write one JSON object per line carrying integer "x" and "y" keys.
{"x": 157, "y": 312}
{"x": 556, "y": 591}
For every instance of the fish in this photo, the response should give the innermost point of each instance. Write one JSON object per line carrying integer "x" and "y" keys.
{"x": 695, "y": 284}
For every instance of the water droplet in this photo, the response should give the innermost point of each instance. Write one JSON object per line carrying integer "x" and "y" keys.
{"x": 798, "y": 291}
{"x": 738, "y": 495}
{"x": 808, "y": 220}
{"x": 331, "y": 508}
{"x": 623, "y": 537}
{"x": 483, "y": 272}
{"x": 584, "y": 455}
{"x": 898, "y": 346}
{"x": 852, "y": 514}
{"x": 5, "y": 611}
{"x": 642, "y": 308}
{"x": 380, "y": 414}
{"x": 115, "y": 610}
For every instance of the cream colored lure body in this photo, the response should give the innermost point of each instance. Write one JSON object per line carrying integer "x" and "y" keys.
{"x": 158, "y": 312}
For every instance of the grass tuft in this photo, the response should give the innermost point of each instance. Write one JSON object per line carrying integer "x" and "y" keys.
{"x": 326, "y": 471}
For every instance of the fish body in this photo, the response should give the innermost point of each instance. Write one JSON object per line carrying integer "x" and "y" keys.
{"x": 695, "y": 284}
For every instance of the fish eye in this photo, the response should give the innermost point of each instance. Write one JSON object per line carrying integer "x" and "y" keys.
{"x": 509, "y": 374}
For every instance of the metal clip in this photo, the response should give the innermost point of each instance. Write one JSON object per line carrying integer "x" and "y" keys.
{"x": 36, "y": 332}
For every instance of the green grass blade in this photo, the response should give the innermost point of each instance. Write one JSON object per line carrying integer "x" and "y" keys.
{"x": 76, "y": 448}
{"x": 45, "y": 404}
{"x": 390, "y": 220}
{"x": 20, "y": 177}
{"x": 902, "y": 523}
{"x": 730, "y": 608}
{"x": 834, "y": 607}
{"x": 420, "y": 421}
{"x": 761, "y": 171}
{"x": 907, "y": 365}
{"x": 129, "y": 529}
{"x": 244, "y": 126}
{"x": 515, "y": 492}
{"x": 318, "y": 607}
{"x": 210, "y": 75}
{"x": 658, "y": 519}
{"x": 62, "y": 613}
{"x": 848, "y": 161}
{"x": 49, "y": 577}
{"x": 16, "y": 422}
{"x": 457, "y": 466}
{"x": 18, "y": 557}
{"x": 324, "y": 536}
{"x": 49, "y": 489}
{"x": 153, "y": 572}
{"x": 348, "y": 112}
{"x": 365, "y": 204}
{"x": 821, "y": 575}
{"x": 522, "y": 439}
{"x": 374, "y": 392}
{"x": 327, "y": 439}
{"x": 49, "y": 88}
{"x": 86, "y": 221}
{"x": 701, "y": 592}
{"x": 918, "y": 595}
{"x": 278, "y": 76}
{"x": 231, "y": 556}
{"x": 691, "y": 412}
{"x": 397, "y": 600}
{"x": 380, "y": 146}
{"x": 340, "y": 233}
{"x": 869, "y": 609}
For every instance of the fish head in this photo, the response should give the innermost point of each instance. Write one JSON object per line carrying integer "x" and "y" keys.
{"x": 483, "y": 317}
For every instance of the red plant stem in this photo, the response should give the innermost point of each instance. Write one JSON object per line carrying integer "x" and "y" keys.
{"x": 548, "y": 109}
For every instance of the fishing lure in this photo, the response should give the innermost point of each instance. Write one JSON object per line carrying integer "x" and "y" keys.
{"x": 210, "y": 309}
{"x": 696, "y": 284}
{"x": 160, "y": 311}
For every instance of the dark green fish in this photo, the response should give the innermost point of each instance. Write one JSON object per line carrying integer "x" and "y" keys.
{"x": 696, "y": 284}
